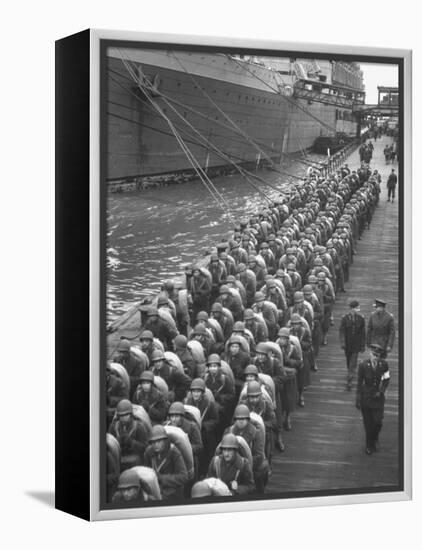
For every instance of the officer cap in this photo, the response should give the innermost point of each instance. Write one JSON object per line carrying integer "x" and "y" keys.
{"x": 158, "y": 432}
{"x": 248, "y": 314}
{"x": 216, "y": 307}
{"x": 128, "y": 479}
{"x": 202, "y": 316}
{"x": 198, "y": 384}
{"x": 124, "y": 345}
{"x": 146, "y": 335}
{"x": 259, "y": 297}
{"x": 284, "y": 332}
{"x": 201, "y": 489}
{"x": 379, "y": 302}
{"x": 214, "y": 358}
{"x": 157, "y": 355}
{"x": 177, "y": 408}
{"x": 251, "y": 369}
{"x": 239, "y": 326}
{"x": 241, "y": 411}
{"x": 353, "y": 303}
{"x": 224, "y": 290}
{"x": 147, "y": 376}
{"x": 180, "y": 342}
{"x": 229, "y": 441}
{"x": 295, "y": 319}
{"x": 298, "y": 297}
{"x": 124, "y": 407}
{"x": 162, "y": 300}
{"x": 376, "y": 348}
{"x": 254, "y": 388}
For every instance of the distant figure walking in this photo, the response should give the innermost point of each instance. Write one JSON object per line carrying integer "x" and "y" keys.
{"x": 352, "y": 338}
{"x": 391, "y": 185}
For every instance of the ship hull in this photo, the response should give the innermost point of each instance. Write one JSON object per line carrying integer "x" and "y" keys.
{"x": 215, "y": 105}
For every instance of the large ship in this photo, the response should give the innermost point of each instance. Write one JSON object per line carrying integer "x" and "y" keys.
{"x": 170, "y": 112}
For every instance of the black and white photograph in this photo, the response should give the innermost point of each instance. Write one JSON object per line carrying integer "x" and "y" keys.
{"x": 252, "y": 299}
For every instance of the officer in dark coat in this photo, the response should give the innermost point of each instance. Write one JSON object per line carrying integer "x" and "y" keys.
{"x": 373, "y": 380}
{"x": 381, "y": 328}
{"x": 391, "y": 185}
{"x": 352, "y": 338}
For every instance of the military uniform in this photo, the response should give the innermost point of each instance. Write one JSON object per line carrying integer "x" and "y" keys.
{"x": 373, "y": 380}
{"x": 381, "y": 329}
{"x": 352, "y": 339}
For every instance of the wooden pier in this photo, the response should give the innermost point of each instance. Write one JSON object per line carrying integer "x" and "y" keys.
{"x": 325, "y": 449}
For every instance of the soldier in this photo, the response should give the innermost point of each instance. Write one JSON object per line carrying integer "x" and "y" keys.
{"x": 234, "y": 470}
{"x": 248, "y": 278}
{"x": 151, "y": 398}
{"x": 146, "y": 340}
{"x": 228, "y": 299}
{"x": 255, "y": 438}
{"x": 373, "y": 380}
{"x": 381, "y": 328}
{"x": 303, "y": 333}
{"x": 200, "y": 290}
{"x": 224, "y": 318}
{"x": 238, "y": 359}
{"x": 391, "y": 185}
{"x": 129, "y": 489}
{"x": 293, "y": 363}
{"x": 185, "y": 355}
{"x": 167, "y": 462}
{"x": 116, "y": 391}
{"x": 131, "y": 435}
{"x": 268, "y": 310}
{"x": 352, "y": 338}
{"x": 221, "y": 387}
{"x": 218, "y": 274}
{"x": 132, "y": 364}
{"x": 259, "y": 330}
{"x": 160, "y": 328}
{"x": 177, "y": 382}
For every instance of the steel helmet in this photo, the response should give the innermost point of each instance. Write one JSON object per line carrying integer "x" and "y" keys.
{"x": 295, "y": 319}
{"x": 152, "y": 312}
{"x": 199, "y": 329}
{"x": 318, "y": 261}
{"x": 254, "y": 388}
{"x": 158, "y": 432}
{"x": 248, "y": 314}
{"x": 270, "y": 283}
{"x": 202, "y": 316}
{"x": 157, "y": 355}
{"x": 216, "y": 307}
{"x": 241, "y": 267}
{"x": 146, "y": 335}
{"x": 312, "y": 279}
{"x": 214, "y": 358}
{"x": 261, "y": 348}
{"x": 259, "y": 297}
{"x": 239, "y": 326}
{"x": 177, "y": 408}
{"x": 169, "y": 285}
{"x": 124, "y": 407}
{"x": 127, "y": 479}
{"x": 291, "y": 267}
{"x": 224, "y": 290}
{"x": 307, "y": 289}
{"x": 229, "y": 441}
{"x": 241, "y": 411}
{"x": 251, "y": 369}
{"x": 231, "y": 279}
{"x": 298, "y": 297}
{"x": 124, "y": 345}
{"x": 162, "y": 300}
{"x": 235, "y": 339}
{"x": 198, "y": 384}
{"x": 252, "y": 260}
{"x": 147, "y": 376}
{"x": 214, "y": 257}
{"x": 180, "y": 341}
{"x": 201, "y": 489}
{"x": 284, "y": 332}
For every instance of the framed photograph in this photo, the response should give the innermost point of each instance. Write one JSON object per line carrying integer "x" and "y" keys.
{"x": 233, "y": 274}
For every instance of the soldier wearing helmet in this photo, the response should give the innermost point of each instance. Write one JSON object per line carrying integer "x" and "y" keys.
{"x": 293, "y": 363}
{"x": 302, "y": 308}
{"x": 146, "y": 340}
{"x": 129, "y": 489}
{"x": 328, "y": 298}
{"x": 256, "y": 403}
{"x": 134, "y": 366}
{"x": 200, "y": 289}
{"x": 268, "y": 311}
{"x": 167, "y": 462}
{"x": 231, "y": 300}
{"x": 151, "y": 398}
{"x": 238, "y": 359}
{"x": 222, "y": 389}
{"x": 131, "y": 434}
{"x": 177, "y": 382}
{"x": 116, "y": 391}
{"x": 182, "y": 351}
{"x": 177, "y": 417}
{"x": 218, "y": 274}
{"x": 255, "y": 438}
{"x": 312, "y": 298}
{"x": 258, "y": 329}
{"x": 248, "y": 279}
{"x": 234, "y": 470}
{"x": 160, "y": 328}
{"x": 224, "y": 317}
{"x": 203, "y": 335}
{"x": 259, "y": 270}
{"x": 299, "y": 329}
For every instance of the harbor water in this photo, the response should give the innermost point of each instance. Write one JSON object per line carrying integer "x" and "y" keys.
{"x": 154, "y": 233}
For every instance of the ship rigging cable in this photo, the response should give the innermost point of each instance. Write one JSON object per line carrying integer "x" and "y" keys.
{"x": 296, "y": 104}
{"x": 228, "y": 127}
{"x": 195, "y": 141}
{"x": 231, "y": 121}
{"x": 201, "y": 174}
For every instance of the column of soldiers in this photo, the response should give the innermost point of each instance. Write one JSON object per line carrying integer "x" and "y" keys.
{"x": 198, "y": 405}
